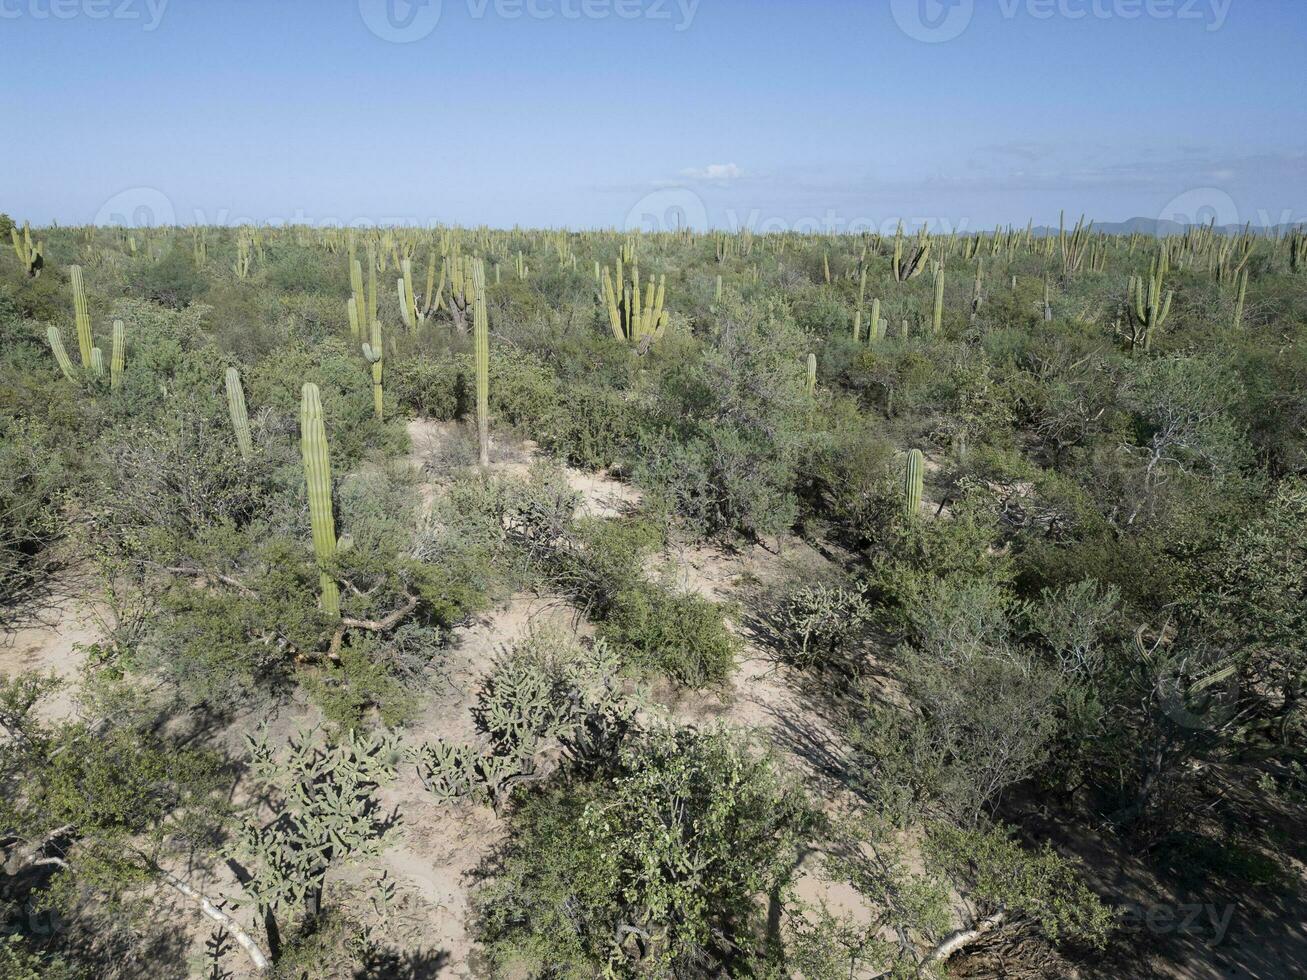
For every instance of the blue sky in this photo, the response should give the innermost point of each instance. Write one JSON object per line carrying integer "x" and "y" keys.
{"x": 761, "y": 113}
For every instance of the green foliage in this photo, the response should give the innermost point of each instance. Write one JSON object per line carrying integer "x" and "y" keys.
{"x": 172, "y": 281}
{"x": 656, "y": 869}
{"x": 679, "y": 634}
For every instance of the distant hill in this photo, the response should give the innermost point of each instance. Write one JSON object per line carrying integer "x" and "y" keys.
{"x": 1159, "y": 228}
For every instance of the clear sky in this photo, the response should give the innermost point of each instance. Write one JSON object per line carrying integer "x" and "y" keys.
{"x": 760, "y": 113}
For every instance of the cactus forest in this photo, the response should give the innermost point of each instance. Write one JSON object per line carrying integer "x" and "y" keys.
{"x": 473, "y": 602}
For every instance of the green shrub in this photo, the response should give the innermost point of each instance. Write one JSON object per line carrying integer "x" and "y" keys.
{"x": 679, "y": 634}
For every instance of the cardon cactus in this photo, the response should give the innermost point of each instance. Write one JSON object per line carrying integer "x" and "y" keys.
{"x": 60, "y": 355}
{"x": 628, "y": 319}
{"x": 240, "y": 421}
{"x": 374, "y": 354}
{"x": 937, "y": 314}
{"x": 97, "y": 362}
{"x": 913, "y": 477}
{"x": 118, "y": 354}
{"x": 82, "y": 316}
{"x": 812, "y": 375}
{"x": 317, "y": 474}
{"x": 357, "y": 298}
{"x": 481, "y": 343}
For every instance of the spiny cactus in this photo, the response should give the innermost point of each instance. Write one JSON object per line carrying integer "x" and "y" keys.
{"x": 81, "y": 315}
{"x": 374, "y": 354}
{"x": 913, "y": 477}
{"x": 1239, "y": 299}
{"x": 812, "y": 375}
{"x": 977, "y": 294}
{"x": 240, "y": 421}
{"x": 1072, "y": 246}
{"x": 317, "y": 474}
{"x": 911, "y": 266}
{"x": 937, "y": 313}
{"x": 877, "y": 326}
{"x": 97, "y": 362}
{"x": 629, "y": 320}
{"x": 1146, "y": 307}
{"x": 60, "y": 355}
{"x": 358, "y": 299}
{"x": 1048, "y": 302}
{"x": 481, "y": 344}
{"x": 118, "y": 354}
{"x": 32, "y": 256}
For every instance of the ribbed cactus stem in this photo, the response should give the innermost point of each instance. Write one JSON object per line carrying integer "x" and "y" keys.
{"x": 240, "y": 420}
{"x": 812, "y": 375}
{"x": 913, "y": 478}
{"x": 60, "y": 354}
{"x": 358, "y": 297}
{"x": 118, "y": 354}
{"x": 1239, "y": 299}
{"x": 876, "y": 328}
{"x": 317, "y": 474}
{"x": 937, "y": 316}
{"x": 81, "y": 315}
{"x": 97, "y": 362}
{"x": 374, "y": 354}
{"x": 481, "y": 341}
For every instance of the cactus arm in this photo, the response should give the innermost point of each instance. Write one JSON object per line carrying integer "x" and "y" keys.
{"x": 60, "y": 354}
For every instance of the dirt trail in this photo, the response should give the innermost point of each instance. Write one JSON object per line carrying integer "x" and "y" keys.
{"x": 53, "y": 645}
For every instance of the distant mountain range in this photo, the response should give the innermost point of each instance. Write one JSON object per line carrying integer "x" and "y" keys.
{"x": 1160, "y": 228}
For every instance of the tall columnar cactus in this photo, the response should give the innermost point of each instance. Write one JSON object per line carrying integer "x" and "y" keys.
{"x": 408, "y": 304}
{"x": 1239, "y": 299}
{"x": 812, "y": 375}
{"x": 857, "y": 315}
{"x": 32, "y": 256}
{"x": 357, "y": 298}
{"x": 937, "y": 314}
{"x": 877, "y": 327}
{"x": 81, "y": 315}
{"x": 628, "y": 319}
{"x": 97, "y": 362}
{"x": 240, "y": 420}
{"x": 977, "y": 287}
{"x": 60, "y": 354}
{"x": 1146, "y": 306}
{"x": 372, "y": 284}
{"x": 317, "y": 474}
{"x": 1072, "y": 246}
{"x": 913, "y": 478}
{"x": 118, "y": 354}
{"x": 481, "y": 343}
{"x": 911, "y": 265}
{"x": 374, "y": 354}
{"x": 1048, "y": 302}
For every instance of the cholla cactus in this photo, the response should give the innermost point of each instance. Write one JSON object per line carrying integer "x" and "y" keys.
{"x": 629, "y": 320}
{"x": 373, "y": 353}
{"x": 60, "y": 354}
{"x": 317, "y": 474}
{"x": 81, "y": 315}
{"x": 118, "y": 354}
{"x": 240, "y": 421}
{"x": 913, "y": 479}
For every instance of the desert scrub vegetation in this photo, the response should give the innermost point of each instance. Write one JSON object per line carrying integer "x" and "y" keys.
{"x": 1053, "y": 484}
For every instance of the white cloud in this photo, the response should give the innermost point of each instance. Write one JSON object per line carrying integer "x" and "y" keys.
{"x": 714, "y": 171}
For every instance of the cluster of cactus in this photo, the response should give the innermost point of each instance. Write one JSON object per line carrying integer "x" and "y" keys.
{"x": 1072, "y": 246}
{"x": 240, "y": 420}
{"x": 462, "y": 288}
{"x": 909, "y": 265}
{"x": 317, "y": 475}
{"x": 244, "y": 256}
{"x": 31, "y": 255}
{"x": 415, "y": 309}
{"x": 913, "y": 479}
{"x": 1147, "y": 307}
{"x": 629, "y": 319}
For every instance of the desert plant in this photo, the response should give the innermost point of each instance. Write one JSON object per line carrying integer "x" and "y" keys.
{"x": 60, "y": 354}
{"x": 913, "y": 477}
{"x": 240, "y": 420}
{"x": 317, "y": 474}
